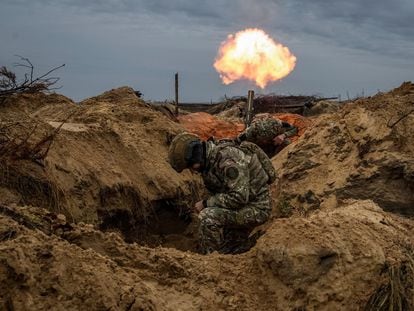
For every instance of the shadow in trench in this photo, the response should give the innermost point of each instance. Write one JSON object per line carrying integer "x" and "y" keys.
{"x": 167, "y": 226}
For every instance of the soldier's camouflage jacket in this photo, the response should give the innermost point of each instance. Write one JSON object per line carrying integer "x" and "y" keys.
{"x": 235, "y": 178}
{"x": 263, "y": 131}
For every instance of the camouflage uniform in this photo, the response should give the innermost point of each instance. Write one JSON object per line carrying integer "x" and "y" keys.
{"x": 240, "y": 191}
{"x": 263, "y": 131}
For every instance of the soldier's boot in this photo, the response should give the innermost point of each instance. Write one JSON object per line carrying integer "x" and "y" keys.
{"x": 210, "y": 237}
{"x": 235, "y": 241}
{"x": 239, "y": 241}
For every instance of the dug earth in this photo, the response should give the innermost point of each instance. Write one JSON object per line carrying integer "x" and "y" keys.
{"x": 103, "y": 221}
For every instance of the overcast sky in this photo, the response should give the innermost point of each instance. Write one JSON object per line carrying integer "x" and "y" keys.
{"x": 341, "y": 46}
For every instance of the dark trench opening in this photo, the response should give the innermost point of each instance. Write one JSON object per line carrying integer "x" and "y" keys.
{"x": 168, "y": 225}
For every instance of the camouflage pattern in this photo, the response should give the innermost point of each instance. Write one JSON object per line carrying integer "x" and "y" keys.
{"x": 214, "y": 221}
{"x": 262, "y": 132}
{"x": 240, "y": 194}
{"x": 263, "y": 158}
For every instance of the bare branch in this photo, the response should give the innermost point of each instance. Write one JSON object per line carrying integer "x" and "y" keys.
{"x": 29, "y": 66}
{"x": 391, "y": 125}
{"x": 21, "y": 65}
{"x": 30, "y": 84}
{"x": 17, "y": 147}
{"x": 49, "y": 72}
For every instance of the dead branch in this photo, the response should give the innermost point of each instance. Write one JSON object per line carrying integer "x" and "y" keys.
{"x": 30, "y": 84}
{"x": 18, "y": 147}
{"x": 46, "y": 141}
{"x": 391, "y": 125}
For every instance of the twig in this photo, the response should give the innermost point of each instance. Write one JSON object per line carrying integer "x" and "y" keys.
{"x": 49, "y": 72}
{"x": 29, "y": 66}
{"x": 18, "y": 147}
{"x": 30, "y": 84}
{"x": 401, "y": 118}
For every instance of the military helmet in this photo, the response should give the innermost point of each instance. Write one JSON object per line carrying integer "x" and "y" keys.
{"x": 178, "y": 154}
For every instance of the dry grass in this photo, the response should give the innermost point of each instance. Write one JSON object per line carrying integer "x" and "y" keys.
{"x": 33, "y": 185}
{"x": 10, "y": 85}
{"x": 397, "y": 291}
{"x": 24, "y": 141}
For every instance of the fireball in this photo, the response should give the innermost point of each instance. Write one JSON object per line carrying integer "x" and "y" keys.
{"x": 251, "y": 54}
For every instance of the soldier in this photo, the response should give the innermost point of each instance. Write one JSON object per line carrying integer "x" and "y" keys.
{"x": 270, "y": 134}
{"x": 238, "y": 184}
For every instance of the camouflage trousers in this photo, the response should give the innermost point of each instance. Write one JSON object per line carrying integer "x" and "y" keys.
{"x": 217, "y": 225}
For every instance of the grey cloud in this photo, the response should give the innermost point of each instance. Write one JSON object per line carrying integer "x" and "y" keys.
{"x": 214, "y": 12}
{"x": 381, "y": 26}
{"x": 392, "y": 15}
{"x": 140, "y": 43}
{"x": 368, "y": 25}
{"x": 388, "y": 16}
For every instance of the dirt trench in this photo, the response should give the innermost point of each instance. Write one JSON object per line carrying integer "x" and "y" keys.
{"x": 329, "y": 251}
{"x": 166, "y": 225}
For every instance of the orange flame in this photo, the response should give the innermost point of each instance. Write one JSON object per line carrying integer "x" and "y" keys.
{"x": 251, "y": 54}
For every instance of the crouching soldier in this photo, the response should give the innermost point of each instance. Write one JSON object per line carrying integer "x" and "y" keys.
{"x": 237, "y": 181}
{"x": 270, "y": 134}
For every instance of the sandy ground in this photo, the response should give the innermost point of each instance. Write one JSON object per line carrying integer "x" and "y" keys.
{"x": 103, "y": 223}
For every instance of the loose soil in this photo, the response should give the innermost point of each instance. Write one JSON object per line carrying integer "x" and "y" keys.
{"x": 104, "y": 222}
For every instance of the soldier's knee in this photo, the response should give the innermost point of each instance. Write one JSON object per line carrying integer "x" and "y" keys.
{"x": 205, "y": 216}
{"x": 209, "y": 217}
{"x": 205, "y": 213}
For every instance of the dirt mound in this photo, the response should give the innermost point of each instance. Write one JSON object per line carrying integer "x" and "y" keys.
{"x": 332, "y": 260}
{"x": 323, "y": 106}
{"x": 26, "y": 105}
{"x": 364, "y": 151}
{"x": 107, "y": 165}
{"x": 39, "y": 271}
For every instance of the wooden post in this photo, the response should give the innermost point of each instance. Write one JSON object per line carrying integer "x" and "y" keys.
{"x": 249, "y": 108}
{"x": 176, "y": 94}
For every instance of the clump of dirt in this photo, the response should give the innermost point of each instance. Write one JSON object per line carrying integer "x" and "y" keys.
{"x": 363, "y": 151}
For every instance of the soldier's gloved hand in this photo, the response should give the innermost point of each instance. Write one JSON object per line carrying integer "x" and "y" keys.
{"x": 198, "y": 207}
{"x": 278, "y": 140}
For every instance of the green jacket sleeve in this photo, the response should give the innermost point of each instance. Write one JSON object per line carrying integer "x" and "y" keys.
{"x": 290, "y": 130}
{"x": 236, "y": 177}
